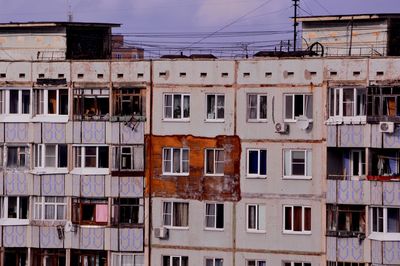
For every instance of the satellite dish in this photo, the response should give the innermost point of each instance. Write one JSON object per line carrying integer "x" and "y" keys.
{"x": 68, "y": 226}
{"x": 303, "y": 122}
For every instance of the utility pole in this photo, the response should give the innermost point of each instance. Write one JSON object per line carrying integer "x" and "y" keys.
{"x": 69, "y": 12}
{"x": 295, "y": 24}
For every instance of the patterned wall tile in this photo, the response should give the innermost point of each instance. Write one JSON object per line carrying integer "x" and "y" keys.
{"x": 331, "y": 248}
{"x": 350, "y": 192}
{"x": 350, "y": 249}
{"x": 76, "y": 185}
{"x": 36, "y": 135}
{"x": 18, "y": 183}
{"x": 131, "y": 187}
{"x": 114, "y": 239}
{"x": 14, "y": 236}
{"x": 331, "y": 192}
{"x": 92, "y": 186}
{"x": 49, "y": 237}
{"x": 132, "y": 136}
{"x": 36, "y": 185}
{"x": 16, "y": 132}
{"x": 376, "y": 251}
{"x": 91, "y": 238}
{"x": 376, "y": 192}
{"x": 131, "y": 239}
{"x": 54, "y": 133}
{"x": 332, "y": 136}
{"x": 77, "y": 127}
{"x": 33, "y": 234}
{"x": 93, "y": 132}
{"x": 1, "y": 132}
{"x": 392, "y": 140}
{"x": 391, "y": 252}
{"x": 53, "y": 185}
{"x": 352, "y": 136}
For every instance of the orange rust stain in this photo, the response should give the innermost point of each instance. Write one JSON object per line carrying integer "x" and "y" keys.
{"x": 196, "y": 185}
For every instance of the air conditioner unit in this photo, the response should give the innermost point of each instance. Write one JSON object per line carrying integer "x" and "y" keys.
{"x": 386, "y": 127}
{"x": 161, "y": 232}
{"x": 281, "y": 128}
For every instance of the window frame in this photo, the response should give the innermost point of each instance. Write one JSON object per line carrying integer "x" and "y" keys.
{"x": 40, "y": 202}
{"x": 293, "y": 263}
{"x": 5, "y": 108}
{"x": 308, "y": 158}
{"x": 261, "y": 225}
{"x": 4, "y": 213}
{"x": 258, "y": 107}
{"x": 118, "y": 95}
{"x": 83, "y": 148}
{"x": 77, "y": 210}
{"x": 215, "y": 162}
{"x": 171, "y": 257}
{"x": 336, "y": 97}
{"x": 40, "y": 155}
{"x": 116, "y": 211}
{"x": 256, "y": 262}
{"x": 44, "y": 110}
{"x": 292, "y": 222}
{"x": 293, "y": 117}
{"x": 258, "y": 174}
{"x": 182, "y": 109}
{"x": 136, "y": 163}
{"x": 78, "y": 103}
{"x": 215, "y": 108}
{"x": 214, "y": 260}
{"x": 120, "y": 255}
{"x": 384, "y": 219}
{"x": 25, "y": 152}
{"x": 171, "y": 161}
{"x": 215, "y": 215}
{"x": 172, "y": 214}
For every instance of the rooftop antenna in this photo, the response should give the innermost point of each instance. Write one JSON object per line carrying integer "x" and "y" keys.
{"x": 295, "y": 24}
{"x": 69, "y": 12}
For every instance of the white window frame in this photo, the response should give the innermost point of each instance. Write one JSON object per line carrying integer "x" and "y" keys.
{"x": 260, "y": 218}
{"x": 4, "y": 220}
{"x": 19, "y": 152}
{"x": 287, "y": 173}
{"x": 338, "y": 94}
{"x": 40, "y": 156}
{"x": 83, "y": 155}
{"x": 294, "y": 118}
{"x": 172, "y": 118}
{"x": 172, "y": 257}
{"x": 258, "y": 102}
{"x": 39, "y": 208}
{"x": 258, "y": 174}
{"x": 361, "y": 163}
{"x": 292, "y": 263}
{"x": 215, "y": 162}
{"x": 181, "y": 161}
{"x": 6, "y": 99}
{"x": 291, "y": 231}
{"x": 257, "y": 262}
{"x": 213, "y": 261}
{"x": 216, "y": 108}
{"x": 215, "y": 215}
{"x": 137, "y": 162}
{"x": 171, "y": 226}
{"x": 394, "y": 236}
{"x": 120, "y": 256}
{"x": 46, "y": 101}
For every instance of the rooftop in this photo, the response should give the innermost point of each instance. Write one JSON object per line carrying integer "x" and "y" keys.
{"x": 349, "y": 17}
{"x": 56, "y": 24}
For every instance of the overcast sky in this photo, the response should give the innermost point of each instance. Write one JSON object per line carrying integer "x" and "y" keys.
{"x": 187, "y": 15}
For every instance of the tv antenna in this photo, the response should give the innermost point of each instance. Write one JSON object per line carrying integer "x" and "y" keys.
{"x": 69, "y": 10}
{"x": 295, "y": 24}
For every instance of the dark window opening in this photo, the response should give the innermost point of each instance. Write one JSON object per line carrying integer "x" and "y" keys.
{"x": 48, "y": 257}
{"x": 90, "y": 211}
{"x": 91, "y": 104}
{"x": 15, "y": 256}
{"x": 346, "y": 220}
{"x": 88, "y": 258}
{"x": 129, "y": 102}
{"x": 128, "y": 211}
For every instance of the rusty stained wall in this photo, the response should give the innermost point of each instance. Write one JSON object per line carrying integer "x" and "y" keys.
{"x": 196, "y": 185}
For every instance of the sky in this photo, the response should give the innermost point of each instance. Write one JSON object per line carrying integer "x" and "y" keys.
{"x": 189, "y": 16}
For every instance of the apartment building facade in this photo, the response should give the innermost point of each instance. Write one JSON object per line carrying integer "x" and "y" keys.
{"x": 266, "y": 161}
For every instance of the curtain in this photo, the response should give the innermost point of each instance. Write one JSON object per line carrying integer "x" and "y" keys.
{"x": 181, "y": 214}
{"x": 220, "y": 161}
{"x": 211, "y": 107}
{"x": 220, "y": 106}
{"x": 167, "y": 213}
{"x": 252, "y": 106}
{"x": 186, "y": 106}
{"x": 101, "y": 213}
{"x": 168, "y": 106}
{"x": 297, "y": 221}
{"x": 309, "y": 106}
{"x": 251, "y": 217}
{"x": 167, "y": 160}
{"x": 210, "y": 215}
{"x": 210, "y": 161}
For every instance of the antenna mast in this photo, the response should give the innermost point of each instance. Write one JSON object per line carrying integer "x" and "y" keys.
{"x": 295, "y": 24}
{"x": 69, "y": 10}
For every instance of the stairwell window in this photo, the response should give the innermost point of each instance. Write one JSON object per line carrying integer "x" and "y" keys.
{"x": 175, "y": 161}
{"x": 296, "y": 219}
{"x": 215, "y": 107}
{"x": 176, "y": 106}
{"x": 297, "y": 164}
{"x": 50, "y": 101}
{"x": 256, "y": 218}
{"x": 256, "y": 163}
{"x": 214, "y": 162}
{"x": 176, "y": 214}
{"x": 256, "y": 107}
{"x": 298, "y": 105}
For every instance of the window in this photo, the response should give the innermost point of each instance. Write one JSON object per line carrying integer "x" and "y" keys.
{"x": 128, "y": 158}
{"x": 50, "y": 101}
{"x": 126, "y": 259}
{"x": 90, "y": 211}
{"x": 255, "y": 217}
{"x": 346, "y": 219}
{"x": 215, "y": 107}
{"x": 175, "y": 161}
{"x": 48, "y": 257}
{"x": 214, "y": 262}
{"x": 214, "y": 215}
{"x": 177, "y": 106}
{"x": 15, "y": 101}
{"x": 176, "y": 214}
{"x": 91, "y": 104}
{"x": 385, "y": 220}
{"x": 175, "y": 261}
{"x": 338, "y": 263}
{"x": 297, "y": 219}
{"x": 128, "y": 101}
{"x": 14, "y": 207}
{"x": 357, "y": 166}
{"x": 256, "y": 163}
{"x": 298, "y": 105}
{"x": 91, "y": 156}
{"x": 256, "y": 107}
{"x": 214, "y": 162}
{"x": 383, "y": 101}
{"x": 17, "y": 156}
{"x": 88, "y": 257}
{"x": 345, "y": 102}
{"x": 127, "y": 211}
{"x": 297, "y": 163}
{"x": 256, "y": 263}
{"x": 296, "y": 263}
{"x": 15, "y": 256}
{"x": 51, "y": 155}
{"x": 49, "y": 208}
